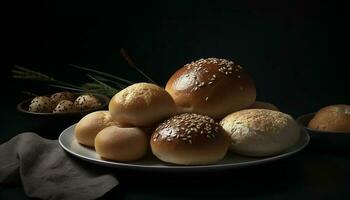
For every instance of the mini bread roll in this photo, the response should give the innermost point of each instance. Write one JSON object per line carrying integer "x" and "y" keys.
{"x": 88, "y": 127}
{"x": 332, "y": 118}
{"x": 213, "y": 87}
{"x": 260, "y": 132}
{"x": 189, "y": 139}
{"x": 121, "y": 144}
{"x": 141, "y": 105}
{"x": 263, "y": 105}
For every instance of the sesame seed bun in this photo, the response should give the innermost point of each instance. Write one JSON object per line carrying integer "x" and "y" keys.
{"x": 263, "y": 105}
{"x": 332, "y": 118}
{"x": 260, "y": 132}
{"x": 189, "y": 139}
{"x": 88, "y": 127}
{"x": 142, "y": 105}
{"x": 121, "y": 144}
{"x": 212, "y": 86}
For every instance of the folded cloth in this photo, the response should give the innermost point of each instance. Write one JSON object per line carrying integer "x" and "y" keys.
{"x": 47, "y": 172}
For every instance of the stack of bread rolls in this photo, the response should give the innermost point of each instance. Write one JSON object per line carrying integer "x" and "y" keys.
{"x": 207, "y": 108}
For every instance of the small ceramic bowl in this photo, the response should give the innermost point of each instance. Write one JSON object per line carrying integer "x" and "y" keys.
{"x": 329, "y": 141}
{"x": 50, "y": 125}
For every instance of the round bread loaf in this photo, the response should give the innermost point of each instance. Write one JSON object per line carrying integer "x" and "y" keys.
{"x": 263, "y": 105}
{"x": 121, "y": 144}
{"x": 88, "y": 127}
{"x": 260, "y": 132}
{"x": 212, "y": 86}
{"x": 141, "y": 105}
{"x": 332, "y": 118}
{"x": 189, "y": 139}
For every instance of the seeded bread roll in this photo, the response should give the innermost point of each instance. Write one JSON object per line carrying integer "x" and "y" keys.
{"x": 88, "y": 127}
{"x": 189, "y": 139}
{"x": 212, "y": 86}
{"x": 260, "y": 132}
{"x": 263, "y": 105}
{"x": 141, "y": 105}
{"x": 332, "y": 118}
{"x": 121, "y": 144}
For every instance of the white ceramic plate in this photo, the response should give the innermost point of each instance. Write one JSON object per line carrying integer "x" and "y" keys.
{"x": 150, "y": 162}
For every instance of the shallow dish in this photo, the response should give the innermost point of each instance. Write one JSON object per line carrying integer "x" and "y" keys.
{"x": 68, "y": 143}
{"x": 330, "y": 141}
{"x": 50, "y": 125}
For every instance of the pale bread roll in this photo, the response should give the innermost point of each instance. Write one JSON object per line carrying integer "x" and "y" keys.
{"x": 88, "y": 127}
{"x": 121, "y": 144}
{"x": 260, "y": 132}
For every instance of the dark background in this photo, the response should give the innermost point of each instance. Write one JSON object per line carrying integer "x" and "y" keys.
{"x": 294, "y": 50}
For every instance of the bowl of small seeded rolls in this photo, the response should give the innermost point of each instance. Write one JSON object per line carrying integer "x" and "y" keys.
{"x": 47, "y": 115}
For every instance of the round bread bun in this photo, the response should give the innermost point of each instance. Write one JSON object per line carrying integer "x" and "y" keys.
{"x": 121, "y": 144}
{"x": 260, "y": 132}
{"x": 189, "y": 139}
{"x": 88, "y": 127}
{"x": 332, "y": 118}
{"x": 263, "y": 105}
{"x": 213, "y": 87}
{"x": 141, "y": 105}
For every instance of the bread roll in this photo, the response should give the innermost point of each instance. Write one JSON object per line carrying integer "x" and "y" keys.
{"x": 212, "y": 86}
{"x": 332, "y": 118}
{"x": 121, "y": 144}
{"x": 189, "y": 139}
{"x": 88, "y": 127}
{"x": 141, "y": 105}
{"x": 263, "y": 105}
{"x": 260, "y": 132}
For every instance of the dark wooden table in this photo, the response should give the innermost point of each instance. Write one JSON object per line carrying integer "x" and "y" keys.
{"x": 309, "y": 174}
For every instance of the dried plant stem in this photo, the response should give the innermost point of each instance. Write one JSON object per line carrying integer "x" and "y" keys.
{"x": 132, "y": 64}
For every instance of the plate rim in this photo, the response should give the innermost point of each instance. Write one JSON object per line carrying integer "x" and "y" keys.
{"x": 132, "y": 166}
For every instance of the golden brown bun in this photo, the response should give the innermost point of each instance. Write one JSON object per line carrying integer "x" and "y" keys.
{"x": 260, "y": 132}
{"x": 141, "y": 105}
{"x": 189, "y": 139}
{"x": 263, "y": 105}
{"x": 332, "y": 118}
{"x": 121, "y": 144}
{"x": 88, "y": 127}
{"x": 213, "y": 87}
